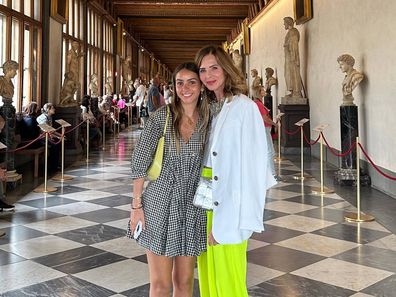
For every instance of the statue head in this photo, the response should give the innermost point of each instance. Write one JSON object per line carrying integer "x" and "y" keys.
{"x": 236, "y": 51}
{"x": 288, "y": 22}
{"x": 346, "y": 62}
{"x": 269, "y": 72}
{"x": 75, "y": 45}
{"x": 254, "y": 72}
{"x": 10, "y": 68}
{"x": 94, "y": 77}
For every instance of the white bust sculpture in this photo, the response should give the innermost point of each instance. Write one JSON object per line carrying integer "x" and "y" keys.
{"x": 256, "y": 84}
{"x": 351, "y": 80}
{"x": 270, "y": 80}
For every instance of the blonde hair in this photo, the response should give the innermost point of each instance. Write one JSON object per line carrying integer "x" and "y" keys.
{"x": 235, "y": 83}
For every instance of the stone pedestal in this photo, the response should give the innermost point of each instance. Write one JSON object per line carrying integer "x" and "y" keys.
{"x": 268, "y": 104}
{"x": 292, "y": 114}
{"x": 349, "y": 124}
{"x": 71, "y": 115}
{"x": 7, "y": 135}
{"x": 290, "y": 100}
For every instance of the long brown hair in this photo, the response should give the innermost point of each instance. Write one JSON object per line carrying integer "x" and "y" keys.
{"x": 235, "y": 83}
{"x": 177, "y": 108}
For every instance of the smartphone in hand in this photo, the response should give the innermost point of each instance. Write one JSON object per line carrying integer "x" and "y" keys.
{"x": 138, "y": 230}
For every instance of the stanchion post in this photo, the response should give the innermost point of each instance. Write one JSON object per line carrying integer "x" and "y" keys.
{"x": 62, "y": 177}
{"x": 358, "y": 217}
{"x": 321, "y": 190}
{"x": 300, "y": 124}
{"x": 104, "y": 130}
{"x": 47, "y": 129}
{"x": 87, "y": 139}
{"x": 279, "y": 158}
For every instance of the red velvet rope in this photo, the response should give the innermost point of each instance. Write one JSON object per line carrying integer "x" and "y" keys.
{"x": 26, "y": 145}
{"x": 375, "y": 166}
{"x": 337, "y": 154}
{"x": 68, "y": 131}
{"x": 292, "y": 132}
{"x": 307, "y": 140}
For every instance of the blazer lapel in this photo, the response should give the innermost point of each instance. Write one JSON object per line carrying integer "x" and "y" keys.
{"x": 220, "y": 121}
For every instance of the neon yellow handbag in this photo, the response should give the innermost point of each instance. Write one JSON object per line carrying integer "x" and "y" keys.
{"x": 154, "y": 170}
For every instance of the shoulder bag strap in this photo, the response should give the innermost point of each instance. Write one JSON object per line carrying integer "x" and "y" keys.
{"x": 167, "y": 118}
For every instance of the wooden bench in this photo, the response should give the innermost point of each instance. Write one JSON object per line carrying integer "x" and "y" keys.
{"x": 36, "y": 152}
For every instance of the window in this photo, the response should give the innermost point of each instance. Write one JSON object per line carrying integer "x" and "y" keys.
{"x": 72, "y": 34}
{"x": 21, "y": 42}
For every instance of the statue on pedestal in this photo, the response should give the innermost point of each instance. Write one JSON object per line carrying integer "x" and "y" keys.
{"x": 71, "y": 82}
{"x": 292, "y": 64}
{"x": 270, "y": 80}
{"x": 7, "y": 111}
{"x": 256, "y": 84}
{"x": 127, "y": 74}
{"x": 68, "y": 90}
{"x": 93, "y": 86}
{"x": 109, "y": 86}
{"x": 237, "y": 58}
{"x": 351, "y": 80}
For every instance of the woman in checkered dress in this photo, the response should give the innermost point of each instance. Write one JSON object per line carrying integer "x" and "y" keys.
{"x": 174, "y": 231}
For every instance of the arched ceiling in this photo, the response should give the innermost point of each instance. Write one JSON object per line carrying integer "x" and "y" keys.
{"x": 174, "y": 30}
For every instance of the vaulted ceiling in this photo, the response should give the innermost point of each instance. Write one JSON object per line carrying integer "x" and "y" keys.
{"x": 174, "y": 30}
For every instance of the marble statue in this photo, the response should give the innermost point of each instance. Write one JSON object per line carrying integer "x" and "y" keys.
{"x": 270, "y": 80}
{"x": 68, "y": 90}
{"x": 73, "y": 62}
{"x": 292, "y": 59}
{"x": 71, "y": 82}
{"x": 256, "y": 84}
{"x": 93, "y": 86}
{"x": 127, "y": 73}
{"x": 109, "y": 86}
{"x": 237, "y": 58}
{"x": 7, "y": 110}
{"x": 351, "y": 80}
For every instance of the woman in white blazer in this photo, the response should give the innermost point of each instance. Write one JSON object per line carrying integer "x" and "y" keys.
{"x": 236, "y": 152}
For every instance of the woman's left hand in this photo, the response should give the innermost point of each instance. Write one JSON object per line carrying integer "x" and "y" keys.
{"x": 211, "y": 240}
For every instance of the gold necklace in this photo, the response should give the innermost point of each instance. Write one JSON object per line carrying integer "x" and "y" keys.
{"x": 216, "y": 106}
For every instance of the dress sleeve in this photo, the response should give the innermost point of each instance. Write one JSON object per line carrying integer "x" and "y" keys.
{"x": 144, "y": 150}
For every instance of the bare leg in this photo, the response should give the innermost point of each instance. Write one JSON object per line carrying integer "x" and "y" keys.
{"x": 183, "y": 276}
{"x": 160, "y": 268}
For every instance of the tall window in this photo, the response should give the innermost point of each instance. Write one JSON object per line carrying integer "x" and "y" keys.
{"x": 72, "y": 32}
{"x": 108, "y": 33}
{"x": 20, "y": 35}
{"x": 94, "y": 44}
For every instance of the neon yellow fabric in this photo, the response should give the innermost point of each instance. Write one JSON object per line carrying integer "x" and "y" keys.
{"x": 206, "y": 172}
{"x": 222, "y": 269}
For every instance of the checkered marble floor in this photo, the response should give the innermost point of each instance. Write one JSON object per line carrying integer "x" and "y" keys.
{"x": 72, "y": 242}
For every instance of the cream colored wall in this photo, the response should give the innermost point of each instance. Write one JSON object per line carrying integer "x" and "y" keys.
{"x": 362, "y": 28}
{"x": 55, "y": 61}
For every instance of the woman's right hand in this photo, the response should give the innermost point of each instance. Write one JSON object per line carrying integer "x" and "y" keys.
{"x": 136, "y": 216}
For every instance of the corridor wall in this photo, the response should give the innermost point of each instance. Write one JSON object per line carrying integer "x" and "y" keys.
{"x": 362, "y": 28}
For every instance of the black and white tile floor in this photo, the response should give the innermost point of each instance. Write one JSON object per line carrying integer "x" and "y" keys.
{"x": 72, "y": 242}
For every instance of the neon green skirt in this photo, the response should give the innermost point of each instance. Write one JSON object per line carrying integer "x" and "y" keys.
{"x": 222, "y": 269}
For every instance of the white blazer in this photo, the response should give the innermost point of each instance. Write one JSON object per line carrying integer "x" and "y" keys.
{"x": 241, "y": 173}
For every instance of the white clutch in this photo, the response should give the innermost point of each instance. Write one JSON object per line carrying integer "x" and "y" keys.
{"x": 203, "y": 196}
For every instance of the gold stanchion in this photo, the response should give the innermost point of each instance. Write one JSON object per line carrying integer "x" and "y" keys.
{"x": 302, "y": 176}
{"x": 104, "y": 130}
{"x": 118, "y": 120}
{"x": 88, "y": 139}
{"x": 321, "y": 190}
{"x": 62, "y": 177}
{"x": 279, "y": 158}
{"x": 47, "y": 129}
{"x": 359, "y": 216}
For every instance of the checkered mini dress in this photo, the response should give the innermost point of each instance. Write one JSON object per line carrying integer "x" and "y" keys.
{"x": 174, "y": 226}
